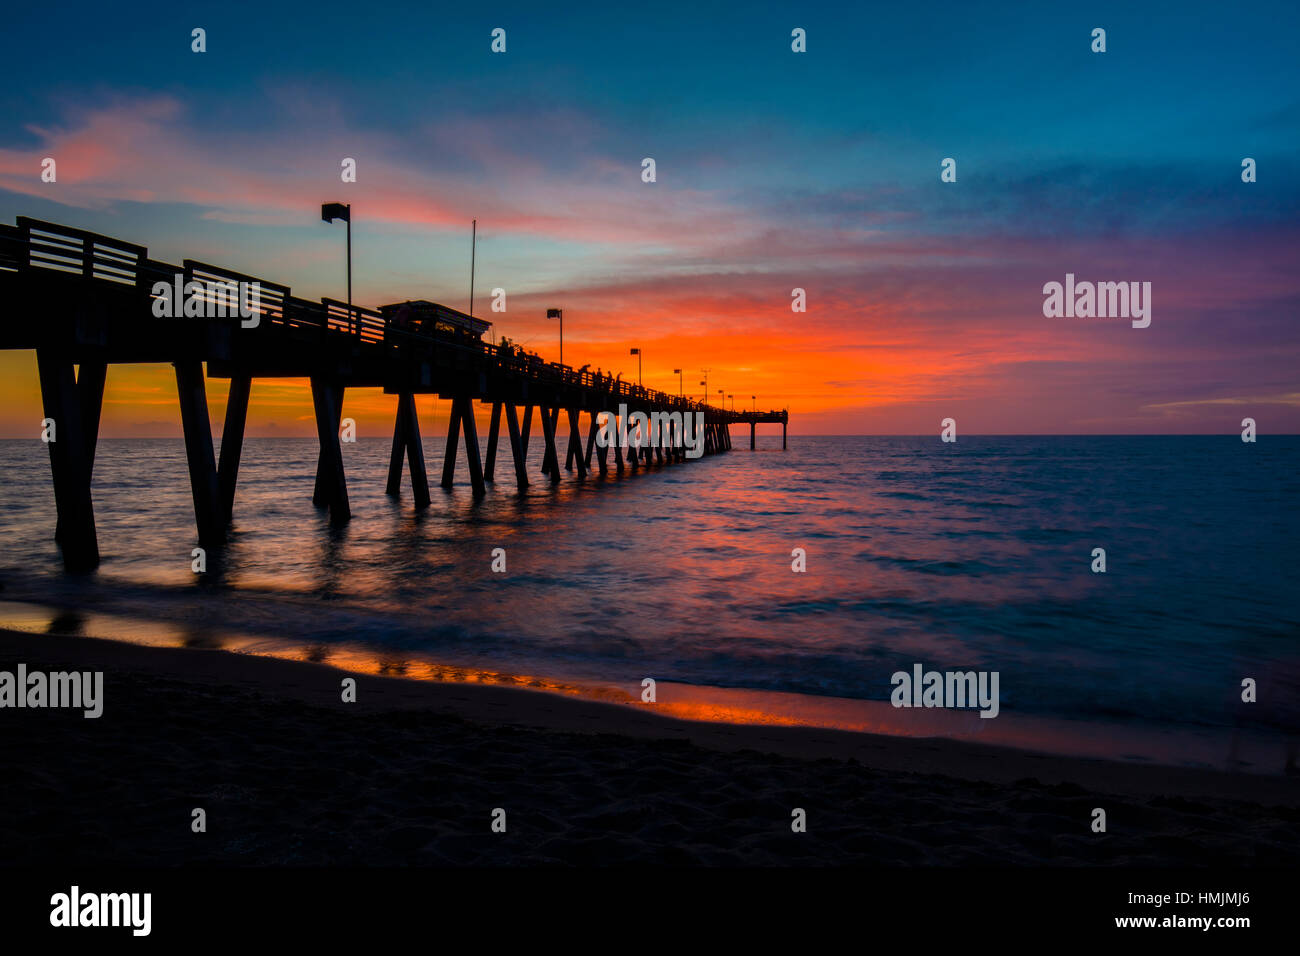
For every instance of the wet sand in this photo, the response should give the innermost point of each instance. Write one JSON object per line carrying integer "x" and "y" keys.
{"x": 288, "y": 774}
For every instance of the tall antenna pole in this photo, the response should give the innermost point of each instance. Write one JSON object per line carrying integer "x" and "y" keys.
{"x": 351, "y": 318}
{"x": 473, "y": 244}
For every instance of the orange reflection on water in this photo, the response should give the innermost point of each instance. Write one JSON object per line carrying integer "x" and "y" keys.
{"x": 779, "y": 709}
{"x": 364, "y": 661}
{"x": 1166, "y": 745}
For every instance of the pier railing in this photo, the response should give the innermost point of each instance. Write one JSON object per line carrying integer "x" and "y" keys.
{"x": 84, "y": 301}
{"x": 35, "y": 245}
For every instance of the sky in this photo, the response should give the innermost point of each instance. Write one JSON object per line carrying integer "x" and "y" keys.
{"x": 775, "y": 170}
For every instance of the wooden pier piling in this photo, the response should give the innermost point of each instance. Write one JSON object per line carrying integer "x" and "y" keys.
{"x": 209, "y": 514}
{"x": 68, "y": 461}
{"x": 332, "y": 486}
{"x": 107, "y": 316}
{"x": 232, "y": 443}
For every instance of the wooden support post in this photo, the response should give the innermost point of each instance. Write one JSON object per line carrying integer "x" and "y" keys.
{"x": 471, "y": 446}
{"x": 68, "y": 465}
{"x": 321, "y": 494}
{"x": 232, "y": 442}
{"x": 90, "y": 392}
{"x": 550, "y": 459}
{"x": 89, "y": 388}
{"x": 575, "y": 443}
{"x": 618, "y": 445}
{"x": 415, "y": 454}
{"x": 751, "y": 436}
{"x": 394, "y": 487}
{"x": 328, "y": 401}
{"x": 544, "y": 416}
{"x": 517, "y": 448}
{"x": 197, "y": 427}
{"x": 602, "y": 451}
{"x": 406, "y": 442}
{"x": 453, "y": 438}
{"x": 550, "y": 453}
{"x": 591, "y": 440}
{"x": 783, "y": 436}
{"x": 555, "y": 436}
{"x": 527, "y": 427}
{"x": 494, "y": 429}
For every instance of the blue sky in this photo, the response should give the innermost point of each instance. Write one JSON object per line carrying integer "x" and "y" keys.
{"x": 774, "y": 169}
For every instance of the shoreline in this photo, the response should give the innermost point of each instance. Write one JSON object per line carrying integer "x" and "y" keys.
{"x": 1184, "y": 748}
{"x": 414, "y": 773}
{"x": 499, "y": 705}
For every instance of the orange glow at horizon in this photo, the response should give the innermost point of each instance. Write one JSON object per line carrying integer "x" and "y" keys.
{"x": 141, "y": 401}
{"x": 825, "y": 382}
{"x": 861, "y": 369}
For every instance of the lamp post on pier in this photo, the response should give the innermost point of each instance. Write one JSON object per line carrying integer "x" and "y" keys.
{"x": 329, "y": 212}
{"x": 637, "y": 353}
{"x": 558, "y": 314}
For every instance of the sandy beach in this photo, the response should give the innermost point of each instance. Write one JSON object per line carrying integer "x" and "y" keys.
{"x": 288, "y": 774}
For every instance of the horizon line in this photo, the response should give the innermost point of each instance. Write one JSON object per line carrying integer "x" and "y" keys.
{"x": 1226, "y": 434}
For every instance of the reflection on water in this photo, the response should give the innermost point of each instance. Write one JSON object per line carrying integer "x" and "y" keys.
{"x": 1253, "y": 753}
{"x": 967, "y": 556}
{"x": 66, "y": 622}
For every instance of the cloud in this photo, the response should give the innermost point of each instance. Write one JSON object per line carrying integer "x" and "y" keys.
{"x": 152, "y": 150}
{"x": 918, "y": 297}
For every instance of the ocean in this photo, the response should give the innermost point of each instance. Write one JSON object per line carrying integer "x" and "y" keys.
{"x": 975, "y": 555}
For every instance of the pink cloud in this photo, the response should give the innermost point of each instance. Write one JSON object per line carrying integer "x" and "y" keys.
{"x": 151, "y": 150}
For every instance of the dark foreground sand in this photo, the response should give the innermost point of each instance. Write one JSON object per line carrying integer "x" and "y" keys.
{"x": 410, "y": 774}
